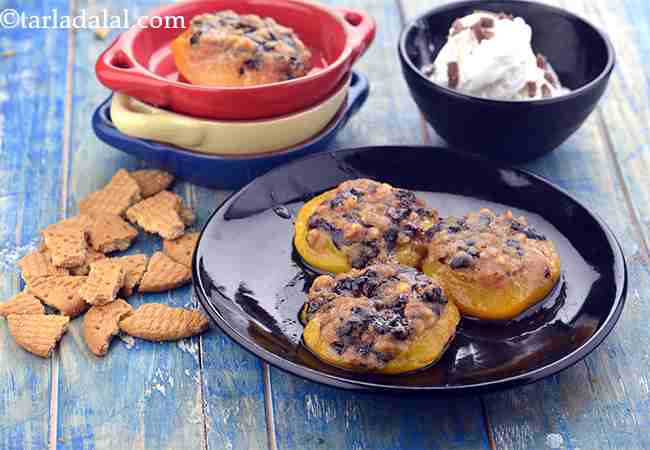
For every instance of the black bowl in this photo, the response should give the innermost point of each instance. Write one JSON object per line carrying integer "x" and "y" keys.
{"x": 252, "y": 284}
{"x": 515, "y": 131}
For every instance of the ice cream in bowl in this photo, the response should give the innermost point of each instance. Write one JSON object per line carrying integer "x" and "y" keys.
{"x": 490, "y": 55}
{"x": 508, "y": 79}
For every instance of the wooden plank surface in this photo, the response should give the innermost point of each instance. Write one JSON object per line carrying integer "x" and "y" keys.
{"x": 310, "y": 416}
{"x": 233, "y": 381}
{"x": 141, "y": 394}
{"x": 600, "y": 403}
{"x": 149, "y": 395}
{"x": 31, "y": 105}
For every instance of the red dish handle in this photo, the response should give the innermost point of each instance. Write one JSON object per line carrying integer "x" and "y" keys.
{"x": 361, "y": 30}
{"x": 117, "y": 70}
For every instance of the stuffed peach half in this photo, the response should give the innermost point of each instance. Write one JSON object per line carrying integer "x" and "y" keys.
{"x": 362, "y": 222}
{"x": 227, "y": 49}
{"x": 384, "y": 319}
{"x": 492, "y": 266}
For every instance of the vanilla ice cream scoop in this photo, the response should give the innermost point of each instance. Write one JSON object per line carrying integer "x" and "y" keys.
{"x": 489, "y": 55}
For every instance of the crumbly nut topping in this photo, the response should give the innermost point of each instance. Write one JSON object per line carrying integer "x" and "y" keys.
{"x": 263, "y": 38}
{"x": 372, "y": 315}
{"x": 484, "y": 242}
{"x": 368, "y": 220}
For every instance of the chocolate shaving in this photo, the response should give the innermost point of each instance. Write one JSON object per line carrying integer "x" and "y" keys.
{"x": 487, "y": 22}
{"x": 457, "y": 27}
{"x": 546, "y": 91}
{"x": 532, "y": 88}
{"x": 453, "y": 73}
{"x": 541, "y": 61}
{"x": 503, "y": 15}
{"x": 479, "y": 32}
{"x": 548, "y": 76}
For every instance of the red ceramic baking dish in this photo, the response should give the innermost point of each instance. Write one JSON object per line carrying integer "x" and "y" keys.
{"x": 140, "y": 64}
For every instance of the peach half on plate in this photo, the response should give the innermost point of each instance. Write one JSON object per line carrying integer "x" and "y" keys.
{"x": 385, "y": 319}
{"x": 361, "y": 222}
{"x": 492, "y": 266}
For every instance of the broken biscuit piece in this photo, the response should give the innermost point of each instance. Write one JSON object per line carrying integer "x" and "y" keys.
{"x": 82, "y": 221}
{"x": 109, "y": 233}
{"x": 61, "y": 293}
{"x": 66, "y": 245}
{"x": 134, "y": 267}
{"x": 91, "y": 257}
{"x": 101, "y": 324}
{"x": 37, "y": 265}
{"x": 187, "y": 216}
{"x": 37, "y": 333}
{"x": 22, "y": 303}
{"x": 164, "y": 274}
{"x": 158, "y": 322}
{"x": 159, "y": 214}
{"x": 181, "y": 249}
{"x": 114, "y": 198}
{"x": 104, "y": 281}
{"x": 152, "y": 181}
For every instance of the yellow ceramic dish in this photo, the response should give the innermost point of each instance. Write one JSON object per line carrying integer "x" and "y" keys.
{"x": 230, "y": 138}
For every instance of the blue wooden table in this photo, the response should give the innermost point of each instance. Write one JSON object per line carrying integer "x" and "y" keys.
{"x": 206, "y": 392}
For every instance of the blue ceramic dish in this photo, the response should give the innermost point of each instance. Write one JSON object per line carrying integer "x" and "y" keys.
{"x": 218, "y": 171}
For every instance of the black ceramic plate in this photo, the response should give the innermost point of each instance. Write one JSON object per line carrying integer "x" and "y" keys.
{"x": 249, "y": 280}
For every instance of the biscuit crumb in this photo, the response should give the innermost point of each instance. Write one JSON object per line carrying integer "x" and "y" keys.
{"x": 102, "y": 33}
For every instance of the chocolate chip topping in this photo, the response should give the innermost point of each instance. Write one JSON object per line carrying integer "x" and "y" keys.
{"x": 372, "y": 313}
{"x": 368, "y": 220}
{"x": 453, "y": 73}
{"x": 532, "y": 88}
{"x": 487, "y": 22}
{"x": 548, "y": 76}
{"x": 261, "y": 37}
{"x": 481, "y": 33}
{"x": 546, "y": 91}
{"x": 541, "y": 61}
{"x": 457, "y": 27}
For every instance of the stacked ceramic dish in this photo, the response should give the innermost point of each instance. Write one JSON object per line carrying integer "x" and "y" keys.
{"x": 223, "y": 136}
